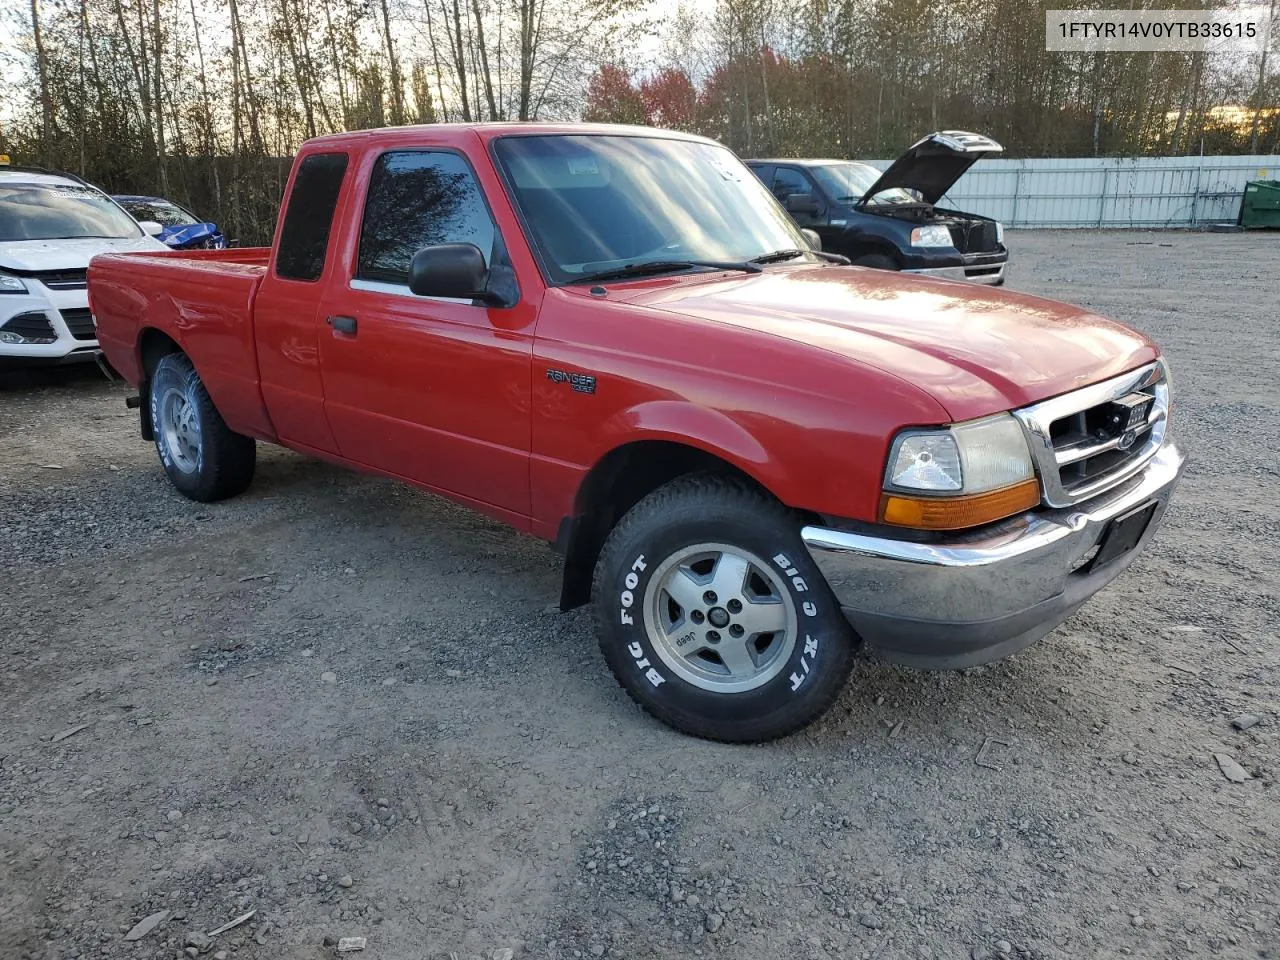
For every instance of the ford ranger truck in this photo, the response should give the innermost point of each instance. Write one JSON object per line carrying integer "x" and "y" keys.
{"x": 753, "y": 459}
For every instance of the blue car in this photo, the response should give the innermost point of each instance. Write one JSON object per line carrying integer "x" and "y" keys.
{"x": 183, "y": 230}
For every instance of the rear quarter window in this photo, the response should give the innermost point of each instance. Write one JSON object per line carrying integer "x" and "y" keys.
{"x": 304, "y": 238}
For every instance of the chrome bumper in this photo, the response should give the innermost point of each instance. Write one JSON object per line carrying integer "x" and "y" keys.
{"x": 961, "y": 273}
{"x": 982, "y": 595}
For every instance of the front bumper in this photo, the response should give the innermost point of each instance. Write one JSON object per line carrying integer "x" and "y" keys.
{"x": 949, "y": 264}
{"x": 974, "y": 267}
{"x": 992, "y": 275}
{"x": 49, "y": 304}
{"x": 983, "y": 595}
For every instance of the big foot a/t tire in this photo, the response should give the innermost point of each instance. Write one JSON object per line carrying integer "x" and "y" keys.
{"x": 204, "y": 458}
{"x": 714, "y": 618}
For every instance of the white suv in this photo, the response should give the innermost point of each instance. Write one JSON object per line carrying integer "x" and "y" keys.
{"x": 51, "y": 224}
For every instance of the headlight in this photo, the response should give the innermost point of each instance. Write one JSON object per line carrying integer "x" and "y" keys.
{"x": 926, "y": 461}
{"x": 999, "y": 232}
{"x": 10, "y": 284}
{"x": 969, "y": 474}
{"x": 972, "y": 457}
{"x": 934, "y": 235}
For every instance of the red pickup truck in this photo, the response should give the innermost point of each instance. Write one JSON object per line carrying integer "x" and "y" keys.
{"x": 751, "y": 456}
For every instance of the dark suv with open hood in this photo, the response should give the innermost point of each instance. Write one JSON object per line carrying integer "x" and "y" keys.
{"x": 890, "y": 220}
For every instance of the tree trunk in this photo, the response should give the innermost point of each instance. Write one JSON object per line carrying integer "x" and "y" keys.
{"x": 484, "y": 61}
{"x": 157, "y": 97}
{"x": 256, "y": 144}
{"x": 211, "y": 144}
{"x": 300, "y": 76}
{"x": 767, "y": 140}
{"x": 1257, "y": 91}
{"x": 530, "y": 20}
{"x": 46, "y": 104}
{"x": 435, "y": 57}
{"x": 83, "y": 98}
{"x": 397, "y": 81}
{"x": 337, "y": 62}
{"x": 459, "y": 51}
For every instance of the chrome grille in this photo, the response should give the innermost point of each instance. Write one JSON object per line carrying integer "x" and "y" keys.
{"x": 61, "y": 279}
{"x": 1092, "y": 439}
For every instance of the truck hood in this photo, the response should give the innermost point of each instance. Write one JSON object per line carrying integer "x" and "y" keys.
{"x": 30, "y": 256}
{"x": 976, "y": 350}
{"x": 934, "y": 164}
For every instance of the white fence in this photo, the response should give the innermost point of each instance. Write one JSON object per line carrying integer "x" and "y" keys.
{"x": 1109, "y": 192}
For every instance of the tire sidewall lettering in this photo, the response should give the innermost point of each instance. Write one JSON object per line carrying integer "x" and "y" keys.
{"x": 162, "y": 448}
{"x": 626, "y": 600}
{"x": 804, "y": 661}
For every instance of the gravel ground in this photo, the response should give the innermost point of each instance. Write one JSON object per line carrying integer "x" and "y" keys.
{"x": 351, "y": 708}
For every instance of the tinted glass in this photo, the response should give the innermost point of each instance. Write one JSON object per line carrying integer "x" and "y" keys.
{"x": 305, "y": 235}
{"x": 30, "y": 211}
{"x": 161, "y": 211}
{"x": 593, "y": 203}
{"x": 787, "y": 181}
{"x": 846, "y": 182}
{"x": 418, "y": 199}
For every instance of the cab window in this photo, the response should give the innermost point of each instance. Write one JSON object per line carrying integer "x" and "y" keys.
{"x": 418, "y": 199}
{"x": 788, "y": 180}
{"x": 304, "y": 238}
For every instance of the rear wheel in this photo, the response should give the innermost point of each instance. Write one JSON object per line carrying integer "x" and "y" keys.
{"x": 714, "y": 618}
{"x": 877, "y": 261}
{"x": 202, "y": 456}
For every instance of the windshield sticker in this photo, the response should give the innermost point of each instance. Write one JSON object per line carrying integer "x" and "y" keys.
{"x": 727, "y": 168}
{"x": 583, "y": 166}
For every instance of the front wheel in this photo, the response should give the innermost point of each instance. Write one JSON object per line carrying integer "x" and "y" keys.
{"x": 204, "y": 458}
{"x": 714, "y": 618}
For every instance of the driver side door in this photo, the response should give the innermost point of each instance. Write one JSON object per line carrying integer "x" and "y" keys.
{"x": 434, "y": 390}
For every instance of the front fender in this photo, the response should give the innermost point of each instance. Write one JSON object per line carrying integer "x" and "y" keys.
{"x": 687, "y": 423}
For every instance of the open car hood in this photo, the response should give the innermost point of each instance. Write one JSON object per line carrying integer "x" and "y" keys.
{"x": 933, "y": 165}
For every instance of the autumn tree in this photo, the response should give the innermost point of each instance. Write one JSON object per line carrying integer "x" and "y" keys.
{"x": 612, "y": 97}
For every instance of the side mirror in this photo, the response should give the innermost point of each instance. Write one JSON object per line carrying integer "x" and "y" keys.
{"x": 815, "y": 241}
{"x": 151, "y": 228}
{"x": 454, "y": 270}
{"x": 801, "y": 203}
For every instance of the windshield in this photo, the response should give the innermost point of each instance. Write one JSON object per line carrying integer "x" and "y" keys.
{"x": 55, "y": 211}
{"x": 163, "y": 212}
{"x": 847, "y": 182}
{"x": 594, "y": 203}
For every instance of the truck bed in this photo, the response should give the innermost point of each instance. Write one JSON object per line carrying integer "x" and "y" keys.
{"x": 203, "y": 299}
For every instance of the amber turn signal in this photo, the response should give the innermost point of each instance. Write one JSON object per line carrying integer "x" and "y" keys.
{"x": 957, "y": 513}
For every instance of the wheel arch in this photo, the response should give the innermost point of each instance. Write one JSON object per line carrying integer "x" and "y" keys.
{"x": 862, "y": 245}
{"x": 619, "y": 480}
{"x": 153, "y": 344}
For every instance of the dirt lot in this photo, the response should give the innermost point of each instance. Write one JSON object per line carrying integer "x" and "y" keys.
{"x": 351, "y": 708}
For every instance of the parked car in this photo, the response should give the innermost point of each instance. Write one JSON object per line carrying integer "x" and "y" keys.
{"x": 613, "y": 338}
{"x": 183, "y": 230}
{"x": 891, "y": 220}
{"x": 50, "y": 225}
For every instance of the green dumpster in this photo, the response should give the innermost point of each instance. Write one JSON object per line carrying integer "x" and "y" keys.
{"x": 1260, "y": 206}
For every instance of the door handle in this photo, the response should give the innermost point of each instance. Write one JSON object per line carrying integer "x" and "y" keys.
{"x": 345, "y": 325}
